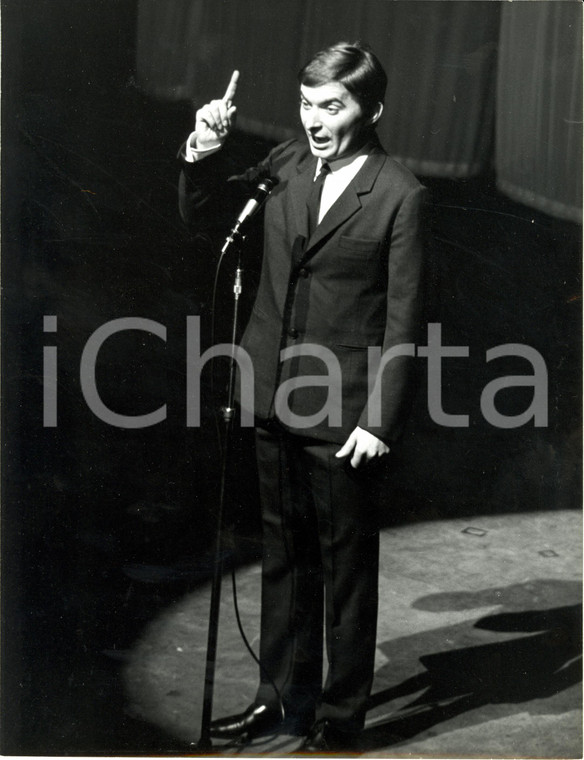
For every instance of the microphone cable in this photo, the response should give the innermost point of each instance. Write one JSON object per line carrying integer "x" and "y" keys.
{"x": 221, "y": 449}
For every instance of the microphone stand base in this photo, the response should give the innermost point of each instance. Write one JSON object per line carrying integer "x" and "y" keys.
{"x": 203, "y": 745}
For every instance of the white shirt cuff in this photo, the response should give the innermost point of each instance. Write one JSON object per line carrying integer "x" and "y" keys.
{"x": 193, "y": 154}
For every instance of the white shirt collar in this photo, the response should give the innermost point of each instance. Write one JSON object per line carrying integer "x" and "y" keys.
{"x": 342, "y": 163}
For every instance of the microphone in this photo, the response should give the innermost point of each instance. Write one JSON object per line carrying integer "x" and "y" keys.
{"x": 250, "y": 209}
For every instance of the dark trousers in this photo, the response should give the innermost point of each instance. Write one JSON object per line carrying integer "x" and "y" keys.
{"x": 320, "y": 559}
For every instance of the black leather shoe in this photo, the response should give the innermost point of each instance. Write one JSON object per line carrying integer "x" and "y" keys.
{"x": 256, "y": 720}
{"x": 324, "y": 736}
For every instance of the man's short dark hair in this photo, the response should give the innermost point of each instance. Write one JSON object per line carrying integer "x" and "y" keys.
{"x": 352, "y": 64}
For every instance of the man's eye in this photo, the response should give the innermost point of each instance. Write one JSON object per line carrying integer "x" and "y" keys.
{"x": 304, "y": 104}
{"x": 332, "y": 109}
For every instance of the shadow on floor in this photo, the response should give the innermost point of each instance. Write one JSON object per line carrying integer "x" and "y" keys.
{"x": 542, "y": 664}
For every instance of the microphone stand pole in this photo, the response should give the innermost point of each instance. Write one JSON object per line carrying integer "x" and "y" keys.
{"x": 228, "y": 413}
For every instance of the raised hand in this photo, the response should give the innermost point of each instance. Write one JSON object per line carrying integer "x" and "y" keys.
{"x": 215, "y": 120}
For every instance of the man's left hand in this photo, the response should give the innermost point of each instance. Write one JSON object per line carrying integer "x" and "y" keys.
{"x": 363, "y": 446}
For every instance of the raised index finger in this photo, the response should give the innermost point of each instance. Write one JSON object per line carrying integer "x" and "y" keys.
{"x": 231, "y": 88}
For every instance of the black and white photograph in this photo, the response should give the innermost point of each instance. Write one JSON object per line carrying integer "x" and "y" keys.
{"x": 291, "y": 378}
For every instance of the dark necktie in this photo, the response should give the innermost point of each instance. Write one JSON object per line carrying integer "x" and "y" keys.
{"x": 313, "y": 200}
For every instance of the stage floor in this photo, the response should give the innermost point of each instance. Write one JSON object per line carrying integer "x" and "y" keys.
{"x": 479, "y": 646}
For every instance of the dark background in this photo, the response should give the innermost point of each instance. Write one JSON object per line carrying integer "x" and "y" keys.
{"x": 101, "y": 527}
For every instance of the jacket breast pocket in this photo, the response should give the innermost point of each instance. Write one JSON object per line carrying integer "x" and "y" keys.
{"x": 358, "y": 245}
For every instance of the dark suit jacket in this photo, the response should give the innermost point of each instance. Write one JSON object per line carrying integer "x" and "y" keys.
{"x": 355, "y": 284}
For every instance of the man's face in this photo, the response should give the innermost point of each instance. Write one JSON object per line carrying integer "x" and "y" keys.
{"x": 333, "y": 119}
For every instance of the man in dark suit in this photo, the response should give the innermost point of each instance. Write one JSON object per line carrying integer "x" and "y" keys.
{"x": 331, "y": 338}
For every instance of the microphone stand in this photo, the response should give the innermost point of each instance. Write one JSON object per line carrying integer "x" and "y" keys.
{"x": 228, "y": 413}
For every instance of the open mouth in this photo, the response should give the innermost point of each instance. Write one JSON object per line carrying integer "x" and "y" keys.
{"x": 319, "y": 142}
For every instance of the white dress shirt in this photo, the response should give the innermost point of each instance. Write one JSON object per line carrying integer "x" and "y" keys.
{"x": 342, "y": 172}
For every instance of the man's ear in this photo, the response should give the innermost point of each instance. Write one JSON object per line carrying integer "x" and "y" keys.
{"x": 376, "y": 115}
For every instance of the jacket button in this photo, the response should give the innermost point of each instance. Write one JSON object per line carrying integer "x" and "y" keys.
{"x": 304, "y": 272}
{"x": 293, "y": 332}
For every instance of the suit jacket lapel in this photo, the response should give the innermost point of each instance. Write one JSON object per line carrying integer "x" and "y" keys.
{"x": 298, "y": 190}
{"x": 350, "y": 200}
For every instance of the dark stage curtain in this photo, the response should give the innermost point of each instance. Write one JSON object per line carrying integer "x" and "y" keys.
{"x": 442, "y": 59}
{"x": 539, "y": 106}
